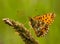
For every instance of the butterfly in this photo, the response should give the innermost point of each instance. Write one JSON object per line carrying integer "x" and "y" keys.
{"x": 41, "y": 24}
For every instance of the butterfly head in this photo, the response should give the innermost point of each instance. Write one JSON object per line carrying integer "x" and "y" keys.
{"x": 32, "y": 21}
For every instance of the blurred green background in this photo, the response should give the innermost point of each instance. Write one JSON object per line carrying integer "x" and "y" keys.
{"x": 20, "y": 10}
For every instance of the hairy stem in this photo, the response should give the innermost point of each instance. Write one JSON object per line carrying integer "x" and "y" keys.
{"x": 23, "y": 32}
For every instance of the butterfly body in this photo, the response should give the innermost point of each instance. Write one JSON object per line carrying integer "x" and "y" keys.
{"x": 40, "y": 24}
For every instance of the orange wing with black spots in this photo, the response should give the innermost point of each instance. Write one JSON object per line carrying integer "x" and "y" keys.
{"x": 47, "y": 18}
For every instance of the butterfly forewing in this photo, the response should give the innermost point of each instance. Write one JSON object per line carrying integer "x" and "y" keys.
{"x": 47, "y": 18}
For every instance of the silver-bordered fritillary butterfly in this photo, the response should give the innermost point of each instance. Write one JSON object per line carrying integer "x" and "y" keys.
{"x": 40, "y": 24}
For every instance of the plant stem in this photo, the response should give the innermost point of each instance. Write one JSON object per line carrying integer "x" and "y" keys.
{"x": 23, "y": 32}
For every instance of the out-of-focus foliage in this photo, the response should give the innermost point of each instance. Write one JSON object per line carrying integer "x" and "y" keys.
{"x": 20, "y": 10}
